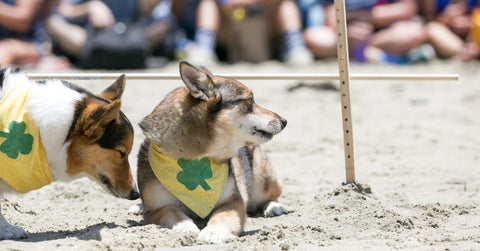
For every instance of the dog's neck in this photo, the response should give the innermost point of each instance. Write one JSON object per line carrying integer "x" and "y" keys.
{"x": 220, "y": 150}
{"x": 217, "y": 158}
{"x": 52, "y": 107}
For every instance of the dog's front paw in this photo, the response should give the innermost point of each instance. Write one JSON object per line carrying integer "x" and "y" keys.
{"x": 274, "y": 209}
{"x": 136, "y": 209}
{"x": 185, "y": 226}
{"x": 11, "y": 232}
{"x": 215, "y": 234}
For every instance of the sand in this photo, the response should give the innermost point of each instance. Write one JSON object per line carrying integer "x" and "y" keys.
{"x": 417, "y": 158}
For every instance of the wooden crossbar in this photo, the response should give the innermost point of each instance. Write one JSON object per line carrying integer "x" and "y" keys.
{"x": 264, "y": 76}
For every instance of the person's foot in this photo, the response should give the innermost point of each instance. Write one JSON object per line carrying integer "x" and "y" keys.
{"x": 299, "y": 56}
{"x": 200, "y": 56}
{"x": 469, "y": 52}
{"x": 423, "y": 53}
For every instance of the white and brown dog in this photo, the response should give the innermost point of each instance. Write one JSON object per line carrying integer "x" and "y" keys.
{"x": 201, "y": 158}
{"x": 53, "y": 130}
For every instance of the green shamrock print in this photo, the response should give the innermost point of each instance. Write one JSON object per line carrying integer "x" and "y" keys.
{"x": 194, "y": 173}
{"x": 17, "y": 140}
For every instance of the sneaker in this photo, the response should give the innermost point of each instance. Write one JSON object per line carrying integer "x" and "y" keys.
{"x": 299, "y": 56}
{"x": 423, "y": 53}
{"x": 199, "y": 56}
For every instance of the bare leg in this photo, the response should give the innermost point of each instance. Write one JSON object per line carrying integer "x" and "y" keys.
{"x": 285, "y": 20}
{"x": 400, "y": 37}
{"x": 14, "y": 51}
{"x": 71, "y": 38}
{"x": 289, "y": 17}
{"x": 208, "y": 17}
{"x": 321, "y": 41}
{"x": 445, "y": 42}
{"x": 208, "y": 25}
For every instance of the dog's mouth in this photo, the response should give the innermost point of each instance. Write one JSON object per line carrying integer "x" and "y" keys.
{"x": 262, "y": 133}
{"x": 106, "y": 181}
{"x": 132, "y": 195}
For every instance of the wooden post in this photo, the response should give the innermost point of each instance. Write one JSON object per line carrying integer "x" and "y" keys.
{"x": 344, "y": 76}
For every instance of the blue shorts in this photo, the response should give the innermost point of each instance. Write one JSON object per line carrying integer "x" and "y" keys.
{"x": 312, "y": 12}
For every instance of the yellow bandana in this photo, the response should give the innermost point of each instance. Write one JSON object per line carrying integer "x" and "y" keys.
{"x": 23, "y": 165}
{"x": 198, "y": 183}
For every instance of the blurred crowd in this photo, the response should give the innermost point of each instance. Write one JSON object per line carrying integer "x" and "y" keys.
{"x": 117, "y": 34}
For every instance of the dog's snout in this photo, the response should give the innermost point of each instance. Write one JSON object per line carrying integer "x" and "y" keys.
{"x": 134, "y": 194}
{"x": 283, "y": 122}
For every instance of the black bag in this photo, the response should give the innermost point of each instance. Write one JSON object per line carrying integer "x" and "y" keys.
{"x": 123, "y": 46}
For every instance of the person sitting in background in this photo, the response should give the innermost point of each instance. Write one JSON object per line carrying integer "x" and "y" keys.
{"x": 448, "y": 25}
{"x": 399, "y": 36}
{"x": 319, "y": 22}
{"x": 110, "y": 33}
{"x": 378, "y": 30}
{"x": 320, "y": 38}
{"x": 248, "y": 31}
{"x": 21, "y": 32}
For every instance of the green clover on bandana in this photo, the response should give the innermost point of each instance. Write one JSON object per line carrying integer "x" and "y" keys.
{"x": 17, "y": 140}
{"x": 195, "y": 173}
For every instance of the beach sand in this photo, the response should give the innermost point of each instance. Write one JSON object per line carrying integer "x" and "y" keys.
{"x": 417, "y": 156}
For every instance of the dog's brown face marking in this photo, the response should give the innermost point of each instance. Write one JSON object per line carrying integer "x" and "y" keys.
{"x": 235, "y": 94}
{"x": 116, "y": 131}
{"x": 101, "y": 140}
{"x": 256, "y": 123}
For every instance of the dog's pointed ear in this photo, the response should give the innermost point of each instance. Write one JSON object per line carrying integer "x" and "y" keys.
{"x": 115, "y": 90}
{"x": 198, "y": 81}
{"x": 96, "y": 120}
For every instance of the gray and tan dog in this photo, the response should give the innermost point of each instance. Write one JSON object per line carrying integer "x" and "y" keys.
{"x": 201, "y": 158}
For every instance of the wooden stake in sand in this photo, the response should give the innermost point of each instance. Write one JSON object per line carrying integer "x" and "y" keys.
{"x": 344, "y": 74}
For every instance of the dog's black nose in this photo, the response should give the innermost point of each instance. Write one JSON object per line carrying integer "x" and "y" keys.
{"x": 134, "y": 195}
{"x": 283, "y": 122}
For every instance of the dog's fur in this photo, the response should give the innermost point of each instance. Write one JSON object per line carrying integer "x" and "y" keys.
{"x": 83, "y": 135}
{"x": 214, "y": 117}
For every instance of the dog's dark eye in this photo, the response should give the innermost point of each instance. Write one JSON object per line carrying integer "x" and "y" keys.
{"x": 249, "y": 103}
{"x": 230, "y": 103}
{"x": 122, "y": 154}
